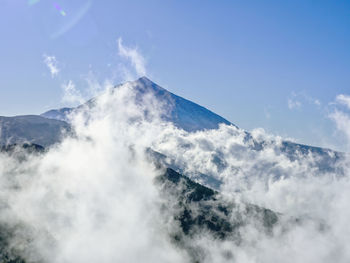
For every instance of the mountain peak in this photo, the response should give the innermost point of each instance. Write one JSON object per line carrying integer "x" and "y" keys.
{"x": 145, "y": 84}
{"x": 144, "y": 80}
{"x": 184, "y": 114}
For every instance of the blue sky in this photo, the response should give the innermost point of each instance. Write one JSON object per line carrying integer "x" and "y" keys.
{"x": 271, "y": 64}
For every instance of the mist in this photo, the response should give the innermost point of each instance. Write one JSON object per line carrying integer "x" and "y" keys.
{"x": 94, "y": 198}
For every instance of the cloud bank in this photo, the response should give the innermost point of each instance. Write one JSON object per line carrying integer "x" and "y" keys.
{"x": 93, "y": 197}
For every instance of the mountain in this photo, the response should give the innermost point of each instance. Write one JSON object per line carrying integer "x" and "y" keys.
{"x": 191, "y": 202}
{"x": 48, "y": 129}
{"x": 197, "y": 209}
{"x": 31, "y": 129}
{"x": 184, "y": 114}
{"x": 60, "y": 114}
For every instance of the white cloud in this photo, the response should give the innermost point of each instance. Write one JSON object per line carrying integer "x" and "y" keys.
{"x": 71, "y": 94}
{"x": 343, "y": 99}
{"x": 342, "y": 121}
{"x": 316, "y": 102}
{"x": 294, "y": 104}
{"x": 341, "y": 117}
{"x": 52, "y": 64}
{"x": 136, "y": 59}
{"x": 96, "y": 191}
{"x": 296, "y": 100}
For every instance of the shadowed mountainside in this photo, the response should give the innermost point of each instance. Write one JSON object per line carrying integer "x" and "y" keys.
{"x": 31, "y": 129}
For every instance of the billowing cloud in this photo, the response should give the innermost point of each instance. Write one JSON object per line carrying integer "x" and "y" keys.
{"x": 52, "y": 65}
{"x": 96, "y": 191}
{"x": 132, "y": 54}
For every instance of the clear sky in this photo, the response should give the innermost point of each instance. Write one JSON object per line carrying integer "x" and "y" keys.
{"x": 270, "y": 64}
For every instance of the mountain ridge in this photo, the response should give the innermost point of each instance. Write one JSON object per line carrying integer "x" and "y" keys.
{"x": 31, "y": 129}
{"x": 185, "y": 114}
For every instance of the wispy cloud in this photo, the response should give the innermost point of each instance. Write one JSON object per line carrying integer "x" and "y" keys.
{"x": 343, "y": 99}
{"x": 340, "y": 117}
{"x": 136, "y": 59}
{"x": 296, "y": 100}
{"x": 71, "y": 94}
{"x": 267, "y": 112}
{"x": 294, "y": 104}
{"x": 317, "y": 102}
{"x": 52, "y": 64}
{"x": 342, "y": 122}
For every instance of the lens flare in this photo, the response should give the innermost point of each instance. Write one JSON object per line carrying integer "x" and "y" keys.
{"x": 60, "y": 9}
{"x": 74, "y": 19}
{"x": 33, "y": 2}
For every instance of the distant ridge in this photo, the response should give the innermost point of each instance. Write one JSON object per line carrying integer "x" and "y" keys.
{"x": 31, "y": 129}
